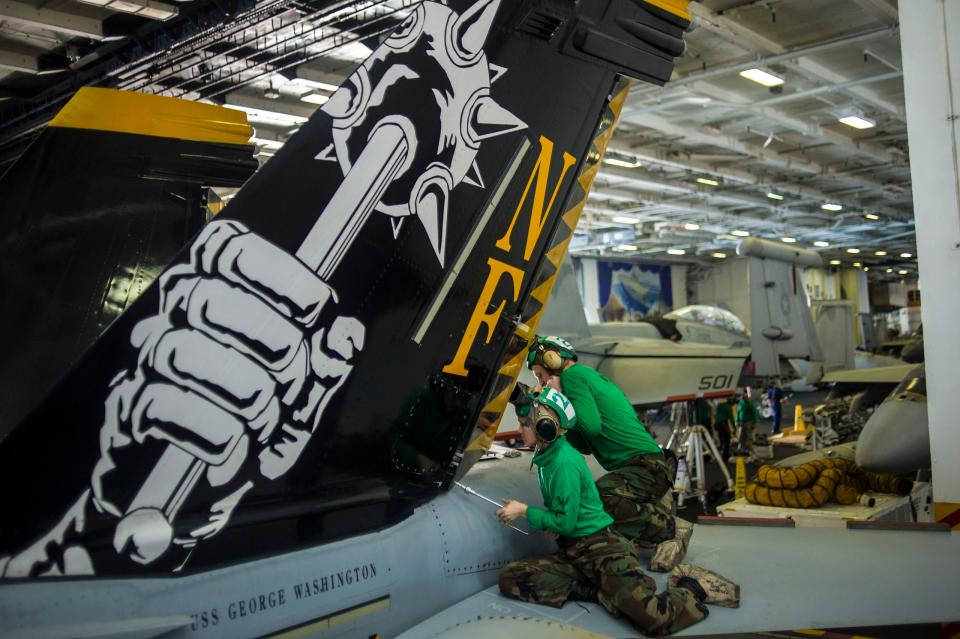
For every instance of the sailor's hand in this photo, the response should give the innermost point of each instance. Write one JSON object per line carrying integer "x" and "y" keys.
{"x": 233, "y": 372}
{"x": 511, "y": 511}
{"x": 552, "y": 536}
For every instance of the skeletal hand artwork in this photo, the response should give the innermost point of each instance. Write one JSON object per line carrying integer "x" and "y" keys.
{"x": 234, "y": 369}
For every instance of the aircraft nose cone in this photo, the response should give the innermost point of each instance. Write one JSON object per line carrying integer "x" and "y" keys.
{"x": 896, "y": 438}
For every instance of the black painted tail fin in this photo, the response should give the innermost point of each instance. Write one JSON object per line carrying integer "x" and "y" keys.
{"x": 101, "y": 201}
{"x": 342, "y": 340}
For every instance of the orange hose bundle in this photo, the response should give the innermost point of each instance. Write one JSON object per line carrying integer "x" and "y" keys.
{"x": 814, "y": 483}
{"x": 816, "y": 495}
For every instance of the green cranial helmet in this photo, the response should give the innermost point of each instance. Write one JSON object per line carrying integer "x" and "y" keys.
{"x": 550, "y": 424}
{"x": 550, "y": 352}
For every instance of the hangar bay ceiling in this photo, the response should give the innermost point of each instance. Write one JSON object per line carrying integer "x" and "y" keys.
{"x": 784, "y": 120}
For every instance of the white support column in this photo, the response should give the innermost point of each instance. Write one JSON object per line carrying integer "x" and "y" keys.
{"x": 930, "y": 41}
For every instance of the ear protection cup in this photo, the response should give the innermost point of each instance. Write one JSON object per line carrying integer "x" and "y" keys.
{"x": 546, "y": 429}
{"x": 552, "y": 360}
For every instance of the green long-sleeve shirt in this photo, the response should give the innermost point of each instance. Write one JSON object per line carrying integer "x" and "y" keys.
{"x": 747, "y": 412}
{"x": 607, "y": 426}
{"x": 572, "y": 505}
{"x": 724, "y": 414}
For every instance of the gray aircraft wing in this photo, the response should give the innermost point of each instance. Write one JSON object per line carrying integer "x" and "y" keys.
{"x": 877, "y": 375}
{"x": 789, "y": 578}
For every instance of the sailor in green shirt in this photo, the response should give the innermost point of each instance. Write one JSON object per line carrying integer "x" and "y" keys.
{"x": 747, "y": 416}
{"x": 636, "y": 491}
{"x": 593, "y": 562}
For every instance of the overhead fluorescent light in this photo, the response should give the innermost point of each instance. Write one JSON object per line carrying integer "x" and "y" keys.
{"x": 690, "y": 226}
{"x": 830, "y": 206}
{"x": 889, "y": 270}
{"x": 880, "y": 253}
{"x": 853, "y": 250}
{"x": 866, "y": 268}
{"x": 268, "y": 116}
{"x": 906, "y": 255}
{"x": 676, "y": 252}
{"x": 857, "y": 264}
{"x": 145, "y": 8}
{"x": 314, "y": 97}
{"x": 858, "y": 122}
{"x": 125, "y": 5}
{"x": 871, "y": 216}
{"x": 821, "y": 243}
{"x": 789, "y": 240}
{"x": 903, "y": 272}
{"x": 625, "y": 247}
{"x": 627, "y": 164}
{"x": 157, "y": 10}
{"x": 835, "y": 262}
{"x": 622, "y": 219}
{"x": 741, "y": 233}
{"x": 760, "y": 76}
{"x": 719, "y": 256}
{"x": 707, "y": 181}
{"x": 774, "y": 196}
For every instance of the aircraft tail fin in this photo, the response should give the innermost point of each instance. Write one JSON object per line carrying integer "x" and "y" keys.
{"x": 781, "y": 324}
{"x": 564, "y": 314}
{"x": 93, "y": 210}
{"x": 834, "y": 321}
{"x": 341, "y": 341}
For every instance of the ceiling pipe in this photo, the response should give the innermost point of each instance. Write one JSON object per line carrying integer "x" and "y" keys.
{"x": 798, "y": 52}
{"x": 891, "y": 75}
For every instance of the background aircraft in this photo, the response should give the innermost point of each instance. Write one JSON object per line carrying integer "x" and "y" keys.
{"x": 641, "y": 358}
{"x": 894, "y": 439}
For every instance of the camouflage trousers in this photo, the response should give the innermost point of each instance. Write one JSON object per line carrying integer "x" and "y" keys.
{"x": 634, "y": 495}
{"x": 609, "y": 562}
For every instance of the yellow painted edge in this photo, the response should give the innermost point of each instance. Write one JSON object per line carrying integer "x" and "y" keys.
{"x": 362, "y": 611}
{"x": 542, "y": 292}
{"x": 499, "y": 403}
{"x": 943, "y": 509}
{"x": 676, "y": 7}
{"x": 303, "y": 631}
{"x": 821, "y": 633}
{"x": 333, "y": 620}
{"x": 117, "y": 111}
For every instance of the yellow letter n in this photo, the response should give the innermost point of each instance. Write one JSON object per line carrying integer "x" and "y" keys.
{"x": 539, "y": 212}
{"x": 480, "y": 316}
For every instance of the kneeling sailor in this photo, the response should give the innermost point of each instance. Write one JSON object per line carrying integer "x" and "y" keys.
{"x": 593, "y": 562}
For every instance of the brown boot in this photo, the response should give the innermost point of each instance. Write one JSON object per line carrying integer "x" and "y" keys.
{"x": 720, "y": 590}
{"x": 671, "y": 552}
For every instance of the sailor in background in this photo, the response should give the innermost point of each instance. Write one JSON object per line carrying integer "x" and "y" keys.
{"x": 747, "y": 416}
{"x": 636, "y": 491}
{"x": 723, "y": 424}
{"x": 593, "y": 563}
{"x": 775, "y": 396}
